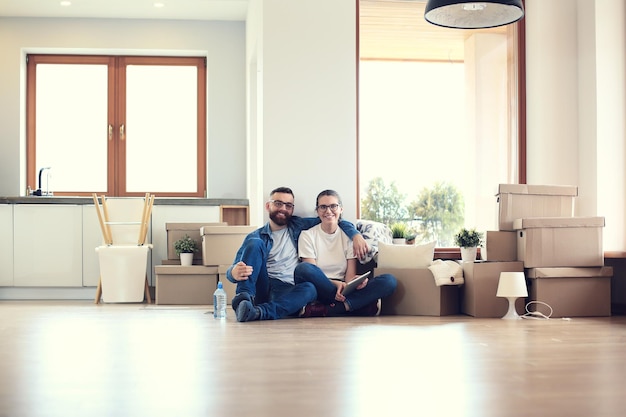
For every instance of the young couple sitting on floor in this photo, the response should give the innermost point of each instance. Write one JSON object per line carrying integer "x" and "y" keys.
{"x": 294, "y": 266}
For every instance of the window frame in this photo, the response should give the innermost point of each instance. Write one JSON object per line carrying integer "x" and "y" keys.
{"x": 116, "y": 117}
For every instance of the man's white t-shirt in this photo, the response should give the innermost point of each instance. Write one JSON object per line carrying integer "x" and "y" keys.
{"x": 330, "y": 251}
{"x": 283, "y": 258}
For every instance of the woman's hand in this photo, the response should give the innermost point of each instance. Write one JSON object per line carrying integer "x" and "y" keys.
{"x": 338, "y": 295}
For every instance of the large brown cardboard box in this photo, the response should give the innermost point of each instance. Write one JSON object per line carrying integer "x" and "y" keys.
{"x": 517, "y": 201}
{"x": 182, "y": 285}
{"x": 478, "y": 294}
{"x": 571, "y": 292}
{"x": 221, "y": 243}
{"x": 177, "y": 230}
{"x": 228, "y": 286}
{"x": 560, "y": 241}
{"x": 499, "y": 246}
{"x": 418, "y": 295}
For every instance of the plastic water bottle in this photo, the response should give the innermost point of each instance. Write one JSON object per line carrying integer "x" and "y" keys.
{"x": 219, "y": 302}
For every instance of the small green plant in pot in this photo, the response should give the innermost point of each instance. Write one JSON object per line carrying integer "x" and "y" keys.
{"x": 398, "y": 231}
{"x": 185, "y": 247}
{"x": 468, "y": 240}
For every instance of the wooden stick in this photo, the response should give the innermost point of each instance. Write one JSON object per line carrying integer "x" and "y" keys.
{"x": 105, "y": 235}
{"x": 106, "y": 220}
{"x": 140, "y": 239}
{"x": 98, "y": 291}
{"x": 147, "y": 218}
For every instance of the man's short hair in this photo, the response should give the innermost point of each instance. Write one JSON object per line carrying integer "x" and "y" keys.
{"x": 282, "y": 190}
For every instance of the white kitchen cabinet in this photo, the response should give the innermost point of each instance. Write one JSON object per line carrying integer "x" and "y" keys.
{"x": 162, "y": 214}
{"x": 92, "y": 238}
{"x": 6, "y": 245}
{"x": 48, "y": 245}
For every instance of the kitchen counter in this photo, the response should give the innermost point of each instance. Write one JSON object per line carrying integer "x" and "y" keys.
{"x": 157, "y": 201}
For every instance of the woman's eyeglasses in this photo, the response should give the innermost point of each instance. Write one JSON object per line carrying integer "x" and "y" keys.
{"x": 279, "y": 204}
{"x": 332, "y": 207}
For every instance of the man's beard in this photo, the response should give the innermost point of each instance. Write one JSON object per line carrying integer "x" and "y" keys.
{"x": 280, "y": 221}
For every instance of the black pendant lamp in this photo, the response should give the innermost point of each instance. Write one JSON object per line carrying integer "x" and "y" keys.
{"x": 472, "y": 14}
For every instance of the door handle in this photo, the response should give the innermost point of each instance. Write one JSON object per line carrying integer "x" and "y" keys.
{"x": 110, "y": 132}
{"x": 122, "y": 131}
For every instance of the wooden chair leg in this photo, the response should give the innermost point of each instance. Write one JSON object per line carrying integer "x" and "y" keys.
{"x": 98, "y": 291}
{"x": 147, "y": 291}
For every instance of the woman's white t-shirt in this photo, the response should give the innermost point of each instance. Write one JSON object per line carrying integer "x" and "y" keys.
{"x": 330, "y": 251}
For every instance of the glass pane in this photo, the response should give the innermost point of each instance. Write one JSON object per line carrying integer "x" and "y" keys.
{"x": 72, "y": 120}
{"x": 161, "y": 128}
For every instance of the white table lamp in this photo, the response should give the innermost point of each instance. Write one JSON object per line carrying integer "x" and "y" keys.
{"x": 512, "y": 285}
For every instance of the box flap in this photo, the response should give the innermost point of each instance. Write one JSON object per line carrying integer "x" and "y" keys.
{"x": 191, "y": 225}
{"x": 226, "y": 230}
{"x": 554, "y": 222}
{"x": 586, "y": 272}
{"x": 560, "y": 190}
{"x": 184, "y": 270}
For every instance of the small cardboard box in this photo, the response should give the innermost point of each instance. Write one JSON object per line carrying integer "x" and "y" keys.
{"x": 182, "y": 285}
{"x": 221, "y": 243}
{"x": 176, "y": 231}
{"x": 560, "y": 241}
{"x": 418, "y": 295}
{"x": 517, "y": 201}
{"x": 229, "y": 287}
{"x": 500, "y": 246}
{"x": 478, "y": 295}
{"x": 571, "y": 292}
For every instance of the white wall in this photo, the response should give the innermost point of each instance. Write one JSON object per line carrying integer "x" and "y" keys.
{"x": 576, "y": 104}
{"x": 223, "y": 43}
{"x": 306, "y": 87}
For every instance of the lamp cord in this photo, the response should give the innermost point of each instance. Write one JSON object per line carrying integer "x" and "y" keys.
{"x": 536, "y": 315}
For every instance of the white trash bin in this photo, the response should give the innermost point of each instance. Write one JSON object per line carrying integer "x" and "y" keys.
{"x": 123, "y": 272}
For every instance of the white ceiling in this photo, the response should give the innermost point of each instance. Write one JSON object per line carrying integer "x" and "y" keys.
{"x": 130, "y": 9}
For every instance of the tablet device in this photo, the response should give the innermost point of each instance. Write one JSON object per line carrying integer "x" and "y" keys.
{"x": 351, "y": 286}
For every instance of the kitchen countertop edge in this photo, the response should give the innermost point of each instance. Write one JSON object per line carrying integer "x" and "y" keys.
{"x": 158, "y": 201}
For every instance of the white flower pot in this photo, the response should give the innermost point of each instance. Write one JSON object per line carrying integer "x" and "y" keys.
{"x": 468, "y": 254}
{"x": 186, "y": 259}
{"x": 399, "y": 241}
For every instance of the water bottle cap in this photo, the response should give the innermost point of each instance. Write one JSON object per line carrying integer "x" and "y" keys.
{"x": 219, "y": 285}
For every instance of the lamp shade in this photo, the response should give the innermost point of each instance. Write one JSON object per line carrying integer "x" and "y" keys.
{"x": 512, "y": 284}
{"x": 468, "y": 14}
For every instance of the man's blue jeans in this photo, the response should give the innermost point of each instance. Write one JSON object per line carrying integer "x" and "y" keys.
{"x": 377, "y": 287}
{"x": 276, "y": 299}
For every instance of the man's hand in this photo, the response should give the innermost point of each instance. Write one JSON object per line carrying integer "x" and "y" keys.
{"x": 360, "y": 246}
{"x": 241, "y": 271}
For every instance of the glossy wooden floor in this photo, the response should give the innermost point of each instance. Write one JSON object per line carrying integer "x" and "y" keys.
{"x": 80, "y": 359}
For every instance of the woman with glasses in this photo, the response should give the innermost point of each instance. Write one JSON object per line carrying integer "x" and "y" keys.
{"x": 328, "y": 262}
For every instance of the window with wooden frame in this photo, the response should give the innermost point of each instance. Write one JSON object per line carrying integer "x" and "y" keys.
{"x": 117, "y": 125}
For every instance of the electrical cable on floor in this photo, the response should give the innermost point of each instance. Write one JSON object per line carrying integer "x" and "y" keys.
{"x": 536, "y": 315}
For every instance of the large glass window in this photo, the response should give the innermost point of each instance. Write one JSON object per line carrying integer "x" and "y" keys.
{"x": 438, "y": 120}
{"x": 119, "y": 126}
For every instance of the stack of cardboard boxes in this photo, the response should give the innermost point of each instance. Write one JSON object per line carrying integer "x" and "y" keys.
{"x": 182, "y": 285}
{"x": 561, "y": 255}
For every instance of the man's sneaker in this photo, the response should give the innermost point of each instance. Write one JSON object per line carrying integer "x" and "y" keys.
{"x": 372, "y": 309}
{"x": 239, "y": 298}
{"x": 246, "y": 311}
{"x": 314, "y": 310}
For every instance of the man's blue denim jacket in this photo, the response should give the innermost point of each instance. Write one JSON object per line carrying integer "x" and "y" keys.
{"x": 296, "y": 226}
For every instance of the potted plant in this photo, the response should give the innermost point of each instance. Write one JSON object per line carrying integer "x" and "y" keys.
{"x": 468, "y": 240}
{"x": 185, "y": 247}
{"x": 398, "y": 231}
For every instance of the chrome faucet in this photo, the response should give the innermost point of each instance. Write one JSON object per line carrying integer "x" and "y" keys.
{"x": 40, "y": 190}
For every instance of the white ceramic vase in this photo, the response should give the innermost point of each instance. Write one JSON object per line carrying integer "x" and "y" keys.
{"x": 186, "y": 259}
{"x": 399, "y": 241}
{"x": 468, "y": 254}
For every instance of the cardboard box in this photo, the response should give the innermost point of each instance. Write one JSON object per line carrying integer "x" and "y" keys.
{"x": 517, "y": 201}
{"x": 176, "y": 231}
{"x": 499, "y": 246}
{"x": 221, "y": 243}
{"x": 571, "y": 292}
{"x": 229, "y": 287}
{"x": 478, "y": 295}
{"x": 177, "y": 284}
{"x": 560, "y": 241}
{"x": 418, "y": 295}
